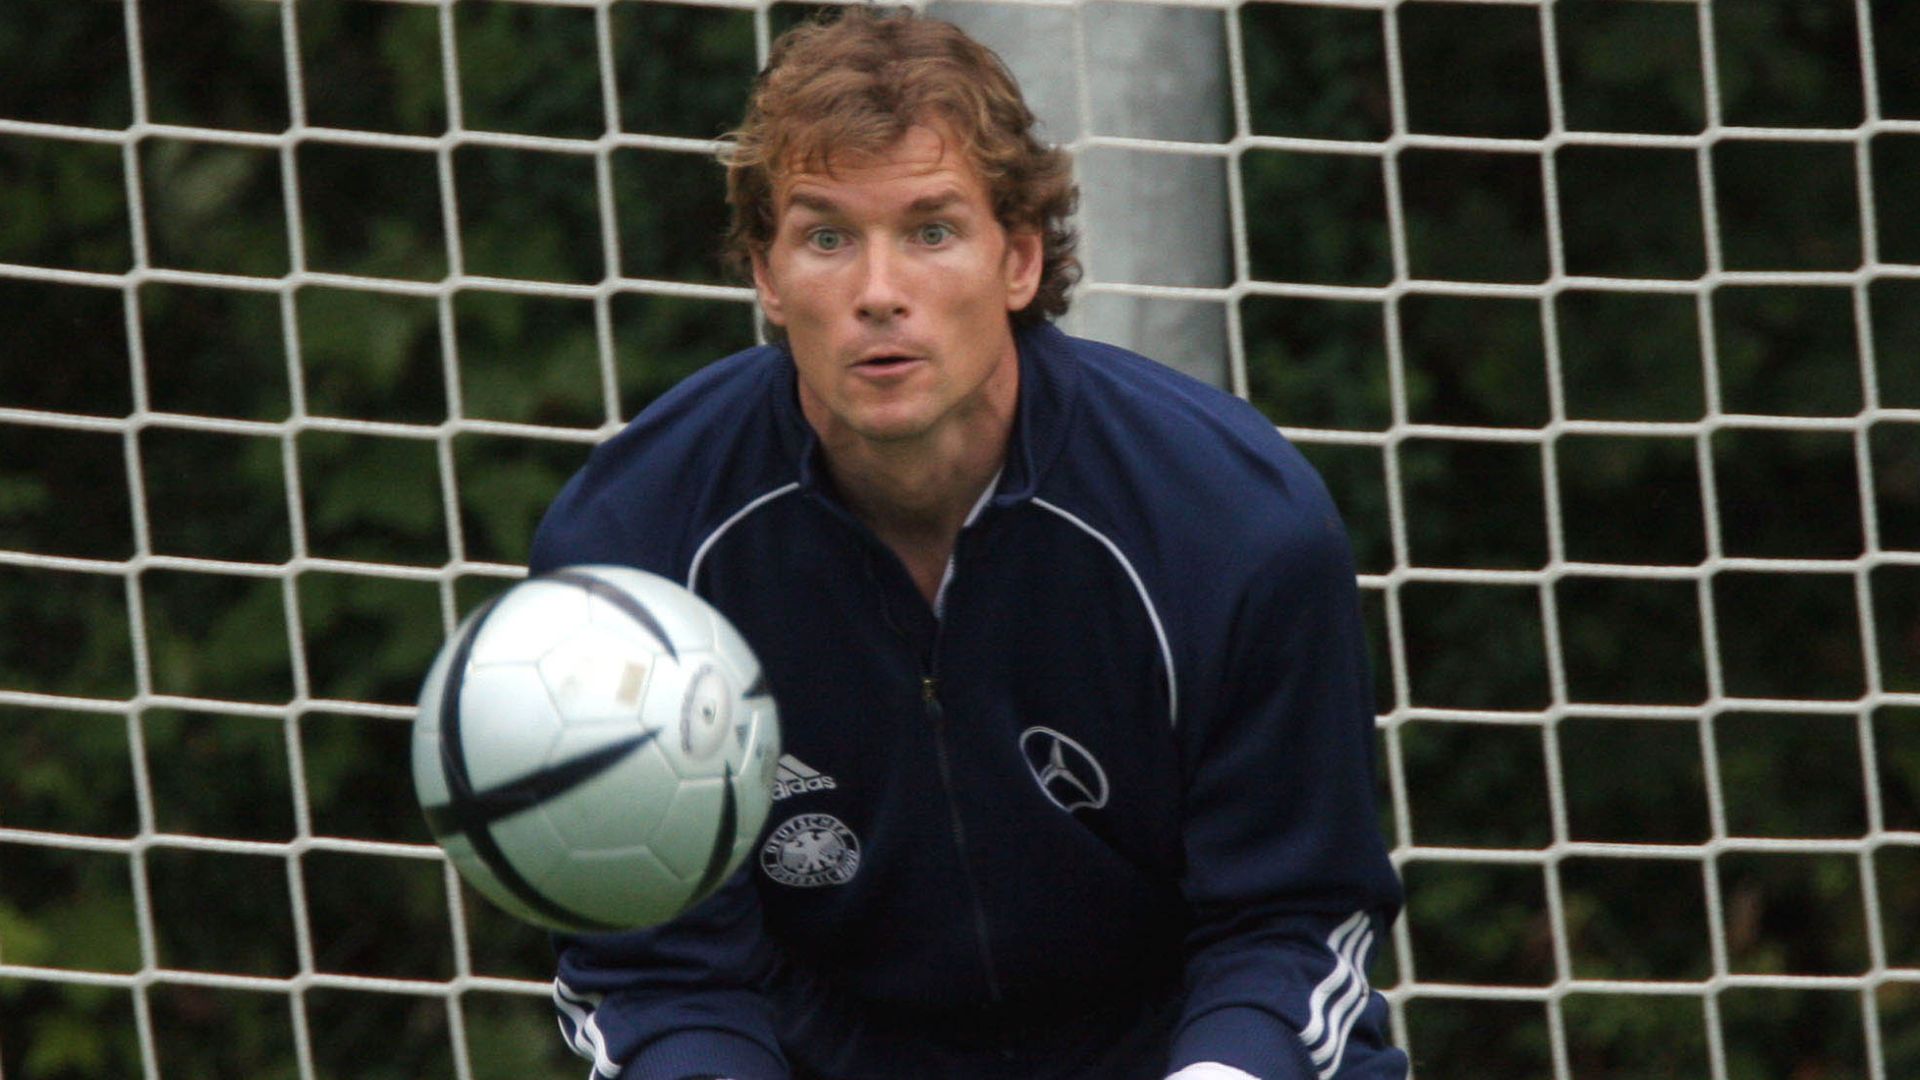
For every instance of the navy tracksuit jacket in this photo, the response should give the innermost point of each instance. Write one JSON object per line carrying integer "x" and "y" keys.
{"x": 1107, "y": 812}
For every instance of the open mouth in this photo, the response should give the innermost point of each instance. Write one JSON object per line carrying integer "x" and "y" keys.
{"x": 890, "y": 362}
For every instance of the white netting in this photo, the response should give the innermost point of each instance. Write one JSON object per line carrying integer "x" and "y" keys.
{"x": 1885, "y": 969}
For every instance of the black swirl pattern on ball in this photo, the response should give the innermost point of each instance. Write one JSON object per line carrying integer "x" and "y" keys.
{"x": 619, "y": 598}
{"x": 722, "y": 841}
{"x": 472, "y": 813}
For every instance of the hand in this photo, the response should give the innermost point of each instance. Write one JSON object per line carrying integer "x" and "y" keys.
{"x": 1210, "y": 1070}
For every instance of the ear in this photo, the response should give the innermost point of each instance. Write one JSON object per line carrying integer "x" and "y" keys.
{"x": 769, "y": 295}
{"x": 1023, "y": 261}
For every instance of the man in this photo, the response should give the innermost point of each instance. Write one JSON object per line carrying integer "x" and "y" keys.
{"x": 1074, "y": 697}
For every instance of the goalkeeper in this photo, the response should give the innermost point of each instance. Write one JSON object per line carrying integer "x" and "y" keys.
{"x": 1074, "y": 696}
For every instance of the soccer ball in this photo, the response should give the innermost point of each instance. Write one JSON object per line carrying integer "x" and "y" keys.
{"x": 595, "y": 749}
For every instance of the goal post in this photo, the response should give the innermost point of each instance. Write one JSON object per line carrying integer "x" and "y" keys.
{"x": 1600, "y": 321}
{"x": 1140, "y": 93}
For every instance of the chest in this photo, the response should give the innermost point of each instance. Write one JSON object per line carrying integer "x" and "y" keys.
{"x": 1043, "y": 687}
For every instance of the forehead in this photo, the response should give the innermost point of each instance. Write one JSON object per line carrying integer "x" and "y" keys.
{"x": 924, "y": 158}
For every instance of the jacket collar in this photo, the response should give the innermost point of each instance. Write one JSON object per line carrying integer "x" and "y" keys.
{"x": 1049, "y": 392}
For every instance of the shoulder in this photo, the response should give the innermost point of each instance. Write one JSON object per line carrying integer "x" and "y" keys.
{"x": 706, "y": 444}
{"x": 1236, "y": 542}
{"x": 1207, "y": 467}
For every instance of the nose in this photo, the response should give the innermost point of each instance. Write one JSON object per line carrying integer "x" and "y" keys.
{"x": 882, "y": 297}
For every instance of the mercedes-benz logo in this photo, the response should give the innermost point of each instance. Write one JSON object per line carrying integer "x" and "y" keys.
{"x": 1067, "y": 774}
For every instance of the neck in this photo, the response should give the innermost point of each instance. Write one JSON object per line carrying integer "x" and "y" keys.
{"x": 917, "y": 504}
{"x": 919, "y": 494}
{"x": 915, "y": 493}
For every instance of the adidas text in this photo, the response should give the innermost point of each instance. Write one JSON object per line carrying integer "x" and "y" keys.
{"x": 798, "y": 786}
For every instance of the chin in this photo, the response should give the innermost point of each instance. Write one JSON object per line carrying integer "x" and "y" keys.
{"x": 890, "y": 425}
{"x": 898, "y": 432}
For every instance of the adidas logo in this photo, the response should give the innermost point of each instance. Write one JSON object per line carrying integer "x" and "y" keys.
{"x": 794, "y": 777}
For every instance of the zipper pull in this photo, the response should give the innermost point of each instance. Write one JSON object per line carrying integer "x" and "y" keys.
{"x": 929, "y": 689}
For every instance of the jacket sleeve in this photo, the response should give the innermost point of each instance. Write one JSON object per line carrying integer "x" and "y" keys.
{"x": 1287, "y": 872}
{"x": 676, "y": 1001}
{"x": 680, "y": 1000}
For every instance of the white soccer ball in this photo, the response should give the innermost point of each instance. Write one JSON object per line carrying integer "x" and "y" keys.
{"x": 595, "y": 749}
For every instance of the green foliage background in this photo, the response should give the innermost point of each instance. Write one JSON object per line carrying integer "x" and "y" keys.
{"x": 384, "y": 490}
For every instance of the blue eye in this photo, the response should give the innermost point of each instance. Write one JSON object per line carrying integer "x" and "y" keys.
{"x": 826, "y": 239}
{"x": 936, "y": 234}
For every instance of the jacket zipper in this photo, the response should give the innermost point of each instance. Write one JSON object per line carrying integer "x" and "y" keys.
{"x": 930, "y": 698}
{"x": 936, "y": 716}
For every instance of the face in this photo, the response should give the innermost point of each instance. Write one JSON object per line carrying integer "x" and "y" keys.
{"x": 894, "y": 282}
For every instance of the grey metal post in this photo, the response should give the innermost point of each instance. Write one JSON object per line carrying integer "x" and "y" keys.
{"x": 1145, "y": 218}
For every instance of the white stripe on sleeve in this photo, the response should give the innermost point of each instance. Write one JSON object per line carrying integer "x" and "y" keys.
{"x": 1342, "y": 972}
{"x": 583, "y": 1035}
{"x": 1340, "y": 998}
{"x": 1346, "y": 1013}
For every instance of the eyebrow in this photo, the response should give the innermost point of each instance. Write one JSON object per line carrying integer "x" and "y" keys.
{"x": 819, "y": 204}
{"x": 926, "y": 204}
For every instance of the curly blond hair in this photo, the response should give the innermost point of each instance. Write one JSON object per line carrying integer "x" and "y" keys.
{"x": 851, "y": 84}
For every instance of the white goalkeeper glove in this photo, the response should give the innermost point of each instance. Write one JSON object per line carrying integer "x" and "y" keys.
{"x": 1210, "y": 1070}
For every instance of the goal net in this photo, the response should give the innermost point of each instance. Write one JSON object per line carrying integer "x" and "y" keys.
{"x": 1601, "y": 320}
